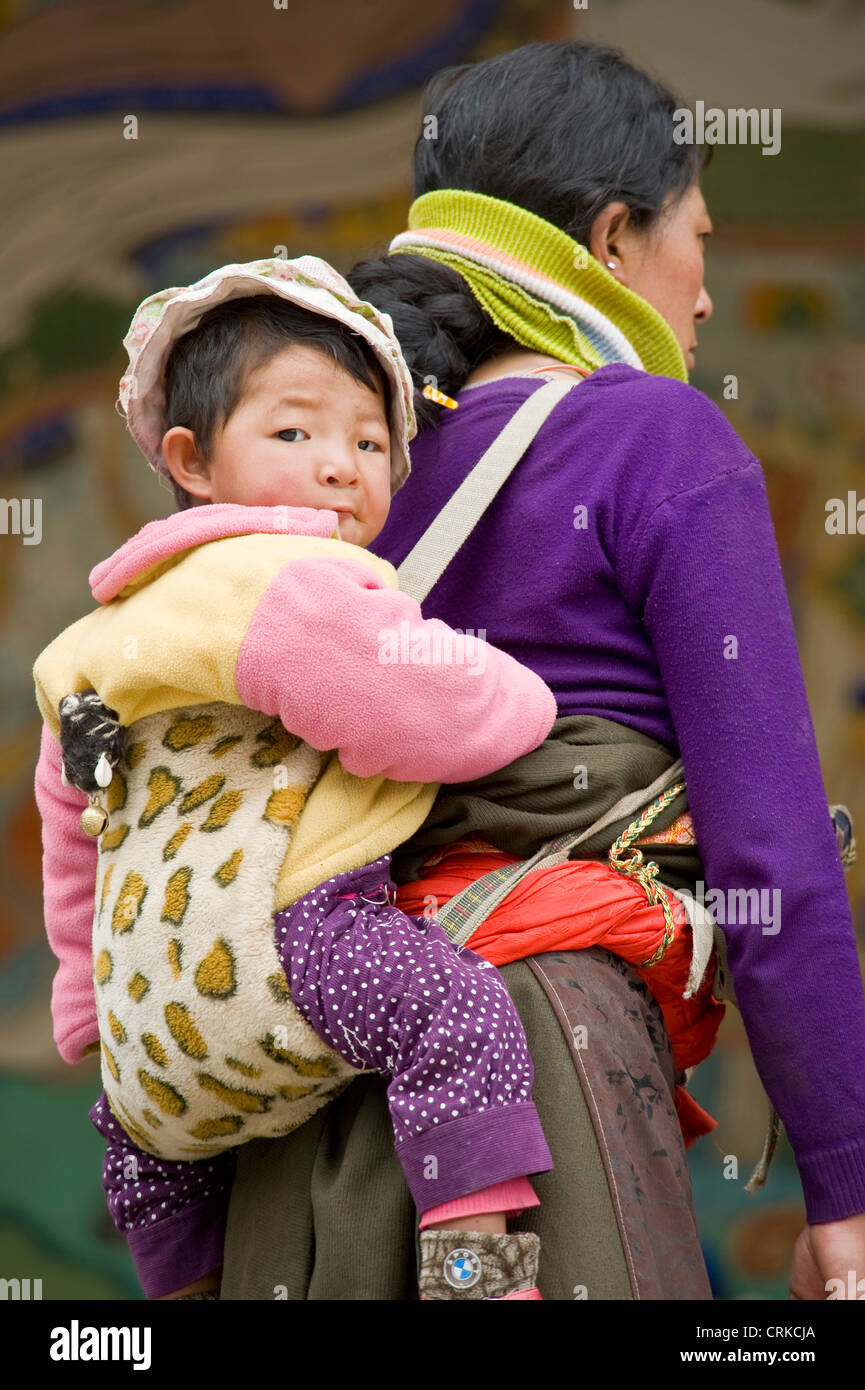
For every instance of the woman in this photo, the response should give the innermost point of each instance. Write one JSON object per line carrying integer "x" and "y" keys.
{"x": 630, "y": 560}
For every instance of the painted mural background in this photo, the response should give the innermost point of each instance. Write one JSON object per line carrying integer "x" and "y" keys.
{"x": 146, "y": 143}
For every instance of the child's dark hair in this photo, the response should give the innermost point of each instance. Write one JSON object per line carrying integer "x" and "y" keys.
{"x": 558, "y": 128}
{"x": 209, "y": 367}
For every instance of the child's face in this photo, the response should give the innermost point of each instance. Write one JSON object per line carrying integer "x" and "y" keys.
{"x": 305, "y": 434}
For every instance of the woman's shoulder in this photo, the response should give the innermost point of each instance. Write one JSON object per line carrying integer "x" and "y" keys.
{"x": 652, "y": 432}
{"x": 658, "y": 402}
{"x": 628, "y": 440}
{"x": 614, "y": 394}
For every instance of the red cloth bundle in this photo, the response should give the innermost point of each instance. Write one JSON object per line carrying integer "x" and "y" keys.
{"x": 569, "y": 907}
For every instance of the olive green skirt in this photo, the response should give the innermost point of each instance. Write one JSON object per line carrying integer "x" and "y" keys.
{"x": 325, "y": 1213}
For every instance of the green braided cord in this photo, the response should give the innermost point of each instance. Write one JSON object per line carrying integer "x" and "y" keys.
{"x": 456, "y": 913}
{"x": 644, "y": 874}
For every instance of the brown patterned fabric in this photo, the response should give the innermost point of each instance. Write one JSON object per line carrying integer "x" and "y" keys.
{"x": 504, "y": 1264}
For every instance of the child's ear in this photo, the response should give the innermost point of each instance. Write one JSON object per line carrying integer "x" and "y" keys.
{"x": 185, "y": 464}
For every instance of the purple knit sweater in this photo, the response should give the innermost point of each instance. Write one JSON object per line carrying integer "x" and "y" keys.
{"x": 662, "y": 606}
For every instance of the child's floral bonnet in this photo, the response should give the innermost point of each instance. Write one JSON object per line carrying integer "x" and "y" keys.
{"x": 307, "y": 281}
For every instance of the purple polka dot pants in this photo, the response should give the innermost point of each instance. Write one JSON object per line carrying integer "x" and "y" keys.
{"x": 389, "y": 993}
{"x": 172, "y": 1214}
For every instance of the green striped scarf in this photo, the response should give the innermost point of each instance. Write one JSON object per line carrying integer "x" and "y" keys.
{"x": 538, "y": 284}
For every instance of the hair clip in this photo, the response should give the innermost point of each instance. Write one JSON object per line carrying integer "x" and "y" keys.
{"x": 433, "y": 394}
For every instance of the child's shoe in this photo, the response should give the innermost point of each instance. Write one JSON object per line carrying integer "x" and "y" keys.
{"x": 474, "y": 1264}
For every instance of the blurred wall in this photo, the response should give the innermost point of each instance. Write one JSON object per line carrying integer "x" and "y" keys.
{"x": 146, "y": 143}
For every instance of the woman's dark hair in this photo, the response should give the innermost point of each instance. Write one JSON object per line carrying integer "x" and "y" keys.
{"x": 209, "y": 367}
{"x": 560, "y": 129}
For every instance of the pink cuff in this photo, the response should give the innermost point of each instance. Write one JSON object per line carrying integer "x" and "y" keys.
{"x": 511, "y": 1197}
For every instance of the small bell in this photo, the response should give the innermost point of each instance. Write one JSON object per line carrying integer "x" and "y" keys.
{"x": 94, "y": 817}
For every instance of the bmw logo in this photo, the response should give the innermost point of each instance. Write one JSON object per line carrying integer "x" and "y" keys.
{"x": 462, "y": 1269}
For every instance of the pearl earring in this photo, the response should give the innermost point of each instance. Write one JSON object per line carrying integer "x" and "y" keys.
{"x": 611, "y": 264}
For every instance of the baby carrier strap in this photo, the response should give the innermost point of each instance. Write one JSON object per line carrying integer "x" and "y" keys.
{"x": 427, "y": 561}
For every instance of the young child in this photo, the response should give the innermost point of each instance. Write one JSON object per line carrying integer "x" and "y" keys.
{"x": 246, "y": 962}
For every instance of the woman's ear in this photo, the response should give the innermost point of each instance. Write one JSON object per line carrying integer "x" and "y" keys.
{"x": 611, "y": 239}
{"x": 185, "y": 464}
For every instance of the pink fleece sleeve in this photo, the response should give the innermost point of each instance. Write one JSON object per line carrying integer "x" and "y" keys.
{"x": 68, "y": 885}
{"x": 348, "y": 663}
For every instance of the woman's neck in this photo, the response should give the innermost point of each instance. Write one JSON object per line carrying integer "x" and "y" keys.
{"x": 507, "y": 364}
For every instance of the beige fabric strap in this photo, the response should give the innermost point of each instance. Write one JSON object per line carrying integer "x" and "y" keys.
{"x": 427, "y": 561}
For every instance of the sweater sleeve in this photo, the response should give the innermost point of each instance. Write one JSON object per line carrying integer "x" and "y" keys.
{"x": 69, "y": 881}
{"x": 706, "y": 579}
{"x": 348, "y": 663}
